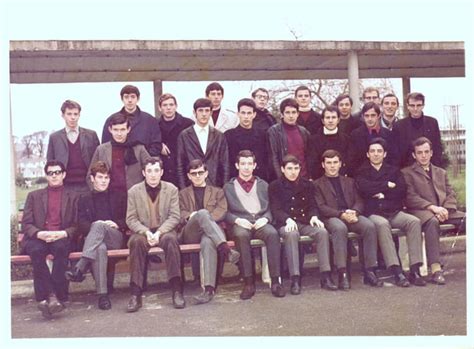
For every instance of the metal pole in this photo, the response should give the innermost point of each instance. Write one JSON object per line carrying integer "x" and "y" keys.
{"x": 353, "y": 74}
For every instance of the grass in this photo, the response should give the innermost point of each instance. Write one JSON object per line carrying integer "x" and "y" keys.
{"x": 459, "y": 186}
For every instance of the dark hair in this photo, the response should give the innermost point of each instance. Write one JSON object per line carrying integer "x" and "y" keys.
{"x": 129, "y": 89}
{"x": 196, "y": 163}
{"x": 288, "y": 102}
{"x": 151, "y": 161}
{"x": 368, "y": 106}
{"x": 247, "y": 102}
{"x": 330, "y": 153}
{"x": 370, "y": 89}
{"x": 341, "y": 97}
{"x": 302, "y": 88}
{"x": 99, "y": 167}
{"x": 213, "y": 87}
{"x": 70, "y": 104}
{"x": 420, "y": 141}
{"x": 264, "y": 90}
{"x": 245, "y": 154}
{"x": 166, "y": 96}
{"x": 331, "y": 108}
{"x": 119, "y": 119}
{"x": 290, "y": 159}
{"x": 52, "y": 163}
{"x": 417, "y": 96}
{"x": 378, "y": 140}
{"x": 202, "y": 103}
{"x": 391, "y": 95}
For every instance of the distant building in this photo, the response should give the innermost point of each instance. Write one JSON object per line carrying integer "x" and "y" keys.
{"x": 455, "y": 143}
{"x": 32, "y": 167}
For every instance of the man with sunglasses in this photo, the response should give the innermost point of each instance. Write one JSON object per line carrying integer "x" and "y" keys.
{"x": 49, "y": 225}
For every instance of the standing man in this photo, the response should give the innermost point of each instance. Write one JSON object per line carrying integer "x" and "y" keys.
{"x": 341, "y": 210}
{"x": 171, "y": 125}
{"x": 153, "y": 216}
{"x": 307, "y": 117}
{"x": 417, "y": 125}
{"x": 288, "y": 138}
{"x": 384, "y": 189}
{"x": 49, "y": 225}
{"x": 431, "y": 198}
{"x": 247, "y": 137}
{"x": 202, "y": 207}
{"x": 389, "y": 110}
{"x": 249, "y": 216}
{"x": 264, "y": 119}
{"x": 73, "y": 146}
{"x": 101, "y": 218}
{"x": 294, "y": 208}
{"x": 144, "y": 127}
{"x": 348, "y": 122}
{"x": 221, "y": 120}
{"x": 201, "y": 141}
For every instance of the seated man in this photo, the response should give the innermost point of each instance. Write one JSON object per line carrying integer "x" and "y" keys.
{"x": 384, "y": 189}
{"x": 101, "y": 218}
{"x": 341, "y": 208}
{"x": 202, "y": 206}
{"x": 49, "y": 225}
{"x": 153, "y": 215}
{"x": 293, "y": 205}
{"x": 249, "y": 216}
{"x": 432, "y": 200}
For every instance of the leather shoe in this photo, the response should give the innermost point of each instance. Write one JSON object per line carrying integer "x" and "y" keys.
{"x": 247, "y": 292}
{"x": 416, "y": 279}
{"x": 204, "y": 297}
{"x": 233, "y": 256}
{"x": 75, "y": 275}
{"x": 295, "y": 287}
{"x": 371, "y": 279}
{"x": 54, "y": 305}
{"x": 178, "y": 300}
{"x": 401, "y": 280}
{"x": 134, "y": 304}
{"x": 343, "y": 281}
{"x": 328, "y": 284}
{"x": 43, "y": 306}
{"x": 104, "y": 302}
{"x": 278, "y": 290}
{"x": 437, "y": 278}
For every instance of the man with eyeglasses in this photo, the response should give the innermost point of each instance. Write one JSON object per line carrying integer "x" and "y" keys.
{"x": 308, "y": 118}
{"x": 202, "y": 207}
{"x": 263, "y": 118}
{"x": 49, "y": 226}
{"x": 416, "y": 125}
{"x": 370, "y": 94}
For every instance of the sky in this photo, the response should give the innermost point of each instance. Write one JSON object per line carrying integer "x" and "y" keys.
{"x": 36, "y": 107}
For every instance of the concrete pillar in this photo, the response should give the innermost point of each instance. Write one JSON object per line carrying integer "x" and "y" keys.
{"x": 157, "y": 92}
{"x": 353, "y": 74}
{"x": 406, "y": 89}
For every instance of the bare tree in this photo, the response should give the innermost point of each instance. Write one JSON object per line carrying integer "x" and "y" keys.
{"x": 40, "y": 144}
{"x": 28, "y": 142}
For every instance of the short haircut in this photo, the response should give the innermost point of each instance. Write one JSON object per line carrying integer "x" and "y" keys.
{"x": 370, "y": 105}
{"x": 290, "y": 159}
{"x": 119, "y": 119}
{"x": 420, "y": 141}
{"x": 390, "y": 95}
{"x": 151, "y": 161}
{"x": 214, "y": 86}
{"x": 264, "y": 90}
{"x": 245, "y": 154}
{"x": 288, "y": 102}
{"x": 370, "y": 89}
{"x": 99, "y": 167}
{"x": 330, "y": 108}
{"x": 70, "y": 104}
{"x": 129, "y": 89}
{"x": 202, "y": 103}
{"x": 166, "y": 96}
{"x": 378, "y": 140}
{"x": 52, "y": 163}
{"x": 417, "y": 96}
{"x": 341, "y": 97}
{"x": 247, "y": 102}
{"x": 196, "y": 163}
{"x": 329, "y": 154}
{"x": 302, "y": 88}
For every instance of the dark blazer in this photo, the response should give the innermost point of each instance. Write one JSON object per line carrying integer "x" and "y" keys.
{"x": 346, "y": 126}
{"x": 313, "y": 123}
{"x": 216, "y": 157}
{"x": 214, "y": 201}
{"x": 326, "y": 196}
{"x": 423, "y": 191}
{"x": 263, "y": 120}
{"x": 58, "y": 145}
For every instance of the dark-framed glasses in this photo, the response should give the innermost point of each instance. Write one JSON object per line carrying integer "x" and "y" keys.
{"x": 57, "y": 172}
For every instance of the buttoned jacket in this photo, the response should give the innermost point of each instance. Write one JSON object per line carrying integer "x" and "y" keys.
{"x": 214, "y": 201}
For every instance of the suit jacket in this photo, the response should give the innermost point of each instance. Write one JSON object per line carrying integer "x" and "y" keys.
{"x": 423, "y": 191}
{"x": 36, "y": 209}
{"x": 133, "y": 172}
{"x": 226, "y": 120}
{"x": 313, "y": 123}
{"x": 138, "y": 211}
{"x": 326, "y": 196}
{"x": 58, "y": 145}
{"x": 214, "y": 202}
{"x": 216, "y": 157}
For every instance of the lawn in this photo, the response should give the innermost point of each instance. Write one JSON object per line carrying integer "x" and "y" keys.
{"x": 459, "y": 186}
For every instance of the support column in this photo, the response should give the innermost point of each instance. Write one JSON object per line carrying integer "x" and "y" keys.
{"x": 353, "y": 75}
{"x": 157, "y": 92}
{"x": 406, "y": 89}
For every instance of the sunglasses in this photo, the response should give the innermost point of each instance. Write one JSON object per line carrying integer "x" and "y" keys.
{"x": 197, "y": 173}
{"x": 57, "y": 173}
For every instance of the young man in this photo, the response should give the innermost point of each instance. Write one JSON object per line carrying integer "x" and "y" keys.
{"x": 171, "y": 125}
{"x": 348, "y": 122}
{"x": 101, "y": 218}
{"x": 249, "y": 216}
{"x": 201, "y": 141}
{"x": 383, "y": 188}
{"x": 153, "y": 216}
{"x": 295, "y": 211}
{"x": 389, "y": 110}
{"x": 414, "y": 126}
{"x": 49, "y": 226}
{"x": 288, "y": 138}
{"x": 221, "y": 120}
{"x": 74, "y": 147}
{"x": 144, "y": 127}
{"x": 307, "y": 117}
{"x": 263, "y": 119}
{"x": 431, "y": 199}
{"x": 246, "y": 136}
{"x": 202, "y": 207}
{"x": 341, "y": 210}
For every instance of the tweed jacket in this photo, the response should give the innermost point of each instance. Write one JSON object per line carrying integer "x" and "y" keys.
{"x": 326, "y": 196}
{"x": 138, "y": 211}
{"x": 214, "y": 202}
{"x": 133, "y": 173}
{"x": 422, "y": 191}
{"x": 58, "y": 145}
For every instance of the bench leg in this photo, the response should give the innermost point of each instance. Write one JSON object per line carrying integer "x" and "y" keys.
{"x": 111, "y": 275}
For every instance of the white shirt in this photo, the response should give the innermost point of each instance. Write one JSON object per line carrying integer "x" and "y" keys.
{"x": 202, "y": 134}
{"x": 72, "y": 134}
